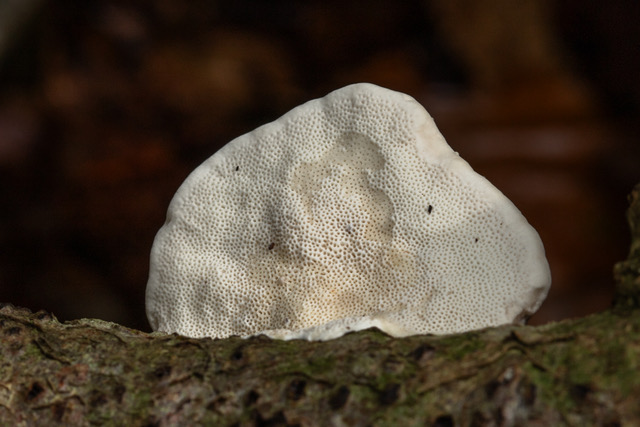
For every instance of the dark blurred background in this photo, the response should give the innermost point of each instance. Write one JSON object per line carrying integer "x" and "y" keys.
{"x": 106, "y": 106}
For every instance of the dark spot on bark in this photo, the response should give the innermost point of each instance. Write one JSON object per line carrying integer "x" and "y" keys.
{"x": 529, "y": 394}
{"x": 237, "y": 354}
{"x": 498, "y": 417}
{"x": 429, "y": 209}
{"x": 97, "y": 399}
{"x": 215, "y": 403}
{"x": 162, "y": 371}
{"x": 271, "y": 246}
{"x": 491, "y": 388}
{"x": 476, "y": 240}
{"x": 237, "y": 168}
{"x": 34, "y": 391}
{"x": 42, "y": 315}
{"x": 579, "y": 392}
{"x": 118, "y": 392}
{"x": 252, "y": 397}
{"x": 423, "y": 353}
{"x": 339, "y": 398}
{"x": 478, "y": 419}
{"x": 295, "y": 390}
{"x": 443, "y": 421}
{"x": 13, "y": 331}
{"x": 278, "y": 419}
{"x": 182, "y": 405}
{"x": 58, "y": 411}
{"x": 389, "y": 394}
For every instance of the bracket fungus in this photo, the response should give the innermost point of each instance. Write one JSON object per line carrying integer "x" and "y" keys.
{"x": 348, "y": 212}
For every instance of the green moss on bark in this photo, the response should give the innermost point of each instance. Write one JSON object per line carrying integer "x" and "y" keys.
{"x": 627, "y": 273}
{"x": 572, "y": 372}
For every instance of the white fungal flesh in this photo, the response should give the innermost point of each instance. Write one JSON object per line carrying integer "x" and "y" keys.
{"x": 348, "y": 212}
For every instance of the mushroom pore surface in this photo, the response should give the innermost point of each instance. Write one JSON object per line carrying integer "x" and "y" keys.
{"x": 348, "y": 212}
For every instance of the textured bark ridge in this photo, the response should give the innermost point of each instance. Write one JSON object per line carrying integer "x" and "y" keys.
{"x": 575, "y": 372}
{"x": 627, "y": 273}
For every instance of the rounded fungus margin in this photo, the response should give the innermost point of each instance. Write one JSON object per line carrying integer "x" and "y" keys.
{"x": 350, "y": 211}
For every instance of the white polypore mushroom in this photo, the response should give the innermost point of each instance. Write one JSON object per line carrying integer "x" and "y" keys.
{"x": 348, "y": 212}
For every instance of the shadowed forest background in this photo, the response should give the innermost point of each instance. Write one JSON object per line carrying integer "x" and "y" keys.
{"x": 106, "y": 106}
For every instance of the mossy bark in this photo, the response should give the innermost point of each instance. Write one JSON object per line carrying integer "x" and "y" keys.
{"x": 627, "y": 273}
{"x": 576, "y": 372}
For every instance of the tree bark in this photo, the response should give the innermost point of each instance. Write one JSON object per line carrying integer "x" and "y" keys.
{"x": 86, "y": 372}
